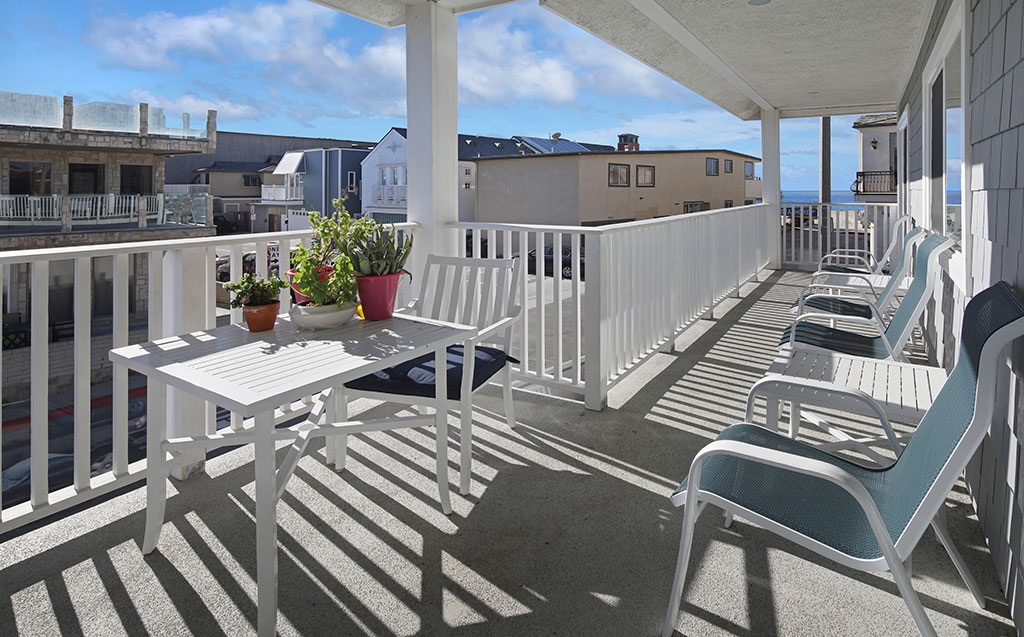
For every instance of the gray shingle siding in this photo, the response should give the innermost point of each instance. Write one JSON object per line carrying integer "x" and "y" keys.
{"x": 996, "y": 236}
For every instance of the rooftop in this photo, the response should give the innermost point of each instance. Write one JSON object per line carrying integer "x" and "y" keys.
{"x": 568, "y": 529}
{"x": 869, "y": 121}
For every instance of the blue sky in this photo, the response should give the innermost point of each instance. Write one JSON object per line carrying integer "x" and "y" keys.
{"x": 294, "y": 67}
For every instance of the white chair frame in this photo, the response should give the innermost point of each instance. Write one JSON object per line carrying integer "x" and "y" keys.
{"x": 467, "y": 291}
{"x": 866, "y": 258}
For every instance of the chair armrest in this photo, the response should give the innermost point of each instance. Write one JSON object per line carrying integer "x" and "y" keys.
{"x": 823, "y": 288}
{"x": 832, "y": 257}
{"x": 828, "y": 317}
{"x": 875, "y": 315}
{"x": 764, "y": 386}
{"x": 411, "y": 308}
{"x": 492, "y": 329}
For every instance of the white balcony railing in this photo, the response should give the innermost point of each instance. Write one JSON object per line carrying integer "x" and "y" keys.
{"x": 389, "y": 193}
{"x": 617, "y": 294}
{"x": 174, "y": 281}
{"x": 186, "y": 189}
{"x": 811, "y": 230}
{"x": 282, "y": 193}
{"x": 88, "y": 210}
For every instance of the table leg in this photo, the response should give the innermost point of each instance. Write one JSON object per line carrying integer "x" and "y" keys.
{"x": 340, "y": 441}
{"x": 156, "y": 463}
{"x": 266, "y": 525}
{"x": 441, "y": 425}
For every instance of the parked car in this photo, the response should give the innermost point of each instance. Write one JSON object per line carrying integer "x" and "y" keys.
{"x": 565, "y": 265}
{"x": 224, "y": 266}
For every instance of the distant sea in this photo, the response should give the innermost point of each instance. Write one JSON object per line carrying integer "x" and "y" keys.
{"x": 841, "y": 196}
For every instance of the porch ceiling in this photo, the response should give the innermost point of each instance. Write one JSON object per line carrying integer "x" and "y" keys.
{"x": 803, "y": 57}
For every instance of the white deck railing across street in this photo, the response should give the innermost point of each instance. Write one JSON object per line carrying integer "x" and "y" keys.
{"x": 30, "y": 210}
{"x": 169, "y": 285}
{"x": 282, "y": 193}
{"x": 628, "y": 290}
{"x": 811, "y": 230}
{"x": 186, "y": 189}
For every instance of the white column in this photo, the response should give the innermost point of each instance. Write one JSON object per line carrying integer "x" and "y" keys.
{"x": 432, "y": 149}
{"x": 771, "y": 185}
{"x": 184, "y": 311}
{"x": 825, "y": 161}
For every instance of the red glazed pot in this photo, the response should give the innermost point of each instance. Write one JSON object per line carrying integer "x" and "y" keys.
{"x": 261, "y": 318}
{"x": 377, "y": 294}
{"x": 299, "y": 296}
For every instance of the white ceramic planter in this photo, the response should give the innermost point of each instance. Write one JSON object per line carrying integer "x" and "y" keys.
{"x": 318, "y": 318}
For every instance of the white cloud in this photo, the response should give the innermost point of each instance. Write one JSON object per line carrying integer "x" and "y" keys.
{"x": 197, "y": 106}
{"x": 683, "y": 129}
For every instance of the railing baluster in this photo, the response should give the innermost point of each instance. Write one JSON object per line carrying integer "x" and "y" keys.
{"x": 235, "y": 269}
{"x": 211, "y": 322}
{"x": 541, "y": 334}
{"x": 556, "y": 279}
{"x": 524, "y": 324}
{"x": 577, "y": 317}
{"x": 83, "y": 372}
{"x": 40, "y": 378}
{"x": 120, "y": 393}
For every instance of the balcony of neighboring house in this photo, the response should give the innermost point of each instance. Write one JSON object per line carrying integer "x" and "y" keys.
{"x": 282, "y": 194}
{"x": 875, "y": 182}
{"x": 21, "y": 214}
{"x": 390, "y": 194}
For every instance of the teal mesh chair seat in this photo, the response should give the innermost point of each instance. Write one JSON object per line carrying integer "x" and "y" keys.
{"x": 842, "y": 269}
{"x": 903, "y": 320}
{"x": 837, "y": 340}
{"x": 835, "y": 305}
{"x": 818, "y": 509}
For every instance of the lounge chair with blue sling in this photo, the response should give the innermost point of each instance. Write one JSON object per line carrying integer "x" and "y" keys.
{"x": 857, "y": 300}
{"x": 863, "y": 261}
{"x": 891, "y": 338}
{"x": 866, "y": 519}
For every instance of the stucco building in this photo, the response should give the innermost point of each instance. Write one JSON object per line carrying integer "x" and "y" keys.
{"x": 877, "y": 152}
{"x": 593, "y": 188}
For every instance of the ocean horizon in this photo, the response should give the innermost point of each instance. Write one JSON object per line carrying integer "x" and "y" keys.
{"x": 841, "y": 196}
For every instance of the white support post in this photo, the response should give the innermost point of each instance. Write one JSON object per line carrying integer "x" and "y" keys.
{"x": 597, "y": 328}
{"x": 184, "y": 310}
{"x": 771, "y": 184}
{"x": 432, "y": 148}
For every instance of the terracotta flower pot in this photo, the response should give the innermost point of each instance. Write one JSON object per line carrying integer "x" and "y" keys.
{"x": 299, "y": 296}
{"x": 377, "y": 295}
{"x": 261, "y": 318}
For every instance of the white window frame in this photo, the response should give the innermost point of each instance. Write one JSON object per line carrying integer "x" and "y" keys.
{"x": 953, "y": 26}
{"x": 351, "y": 186}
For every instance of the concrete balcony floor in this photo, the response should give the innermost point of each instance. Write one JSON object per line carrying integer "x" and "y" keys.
{"x": 568, "y": 530}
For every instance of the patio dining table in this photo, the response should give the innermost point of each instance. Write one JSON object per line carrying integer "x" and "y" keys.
{"x": 253, "y": 374}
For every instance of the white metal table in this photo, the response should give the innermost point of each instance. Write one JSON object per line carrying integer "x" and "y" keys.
{"x": 252, "y": 374}
{"x": 903, "y": 391}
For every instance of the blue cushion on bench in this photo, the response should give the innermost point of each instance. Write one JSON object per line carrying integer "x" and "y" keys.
{"x": 416, "y": 377}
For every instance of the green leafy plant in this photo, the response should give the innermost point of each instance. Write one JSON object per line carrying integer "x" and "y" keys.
{"x": 252, "y": 290}
{"x": 337, "y": 288}
{"x": 373, "y": 248}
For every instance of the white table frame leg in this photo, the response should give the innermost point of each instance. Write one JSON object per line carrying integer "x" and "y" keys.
{"x": 441, "y": 425}
{"x": 266, "y": 524}
{"x": 156, "y": 463}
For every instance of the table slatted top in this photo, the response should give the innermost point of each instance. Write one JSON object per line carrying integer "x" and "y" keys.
{"x": 250, "y": 372}
{"x": 904, "y": 391}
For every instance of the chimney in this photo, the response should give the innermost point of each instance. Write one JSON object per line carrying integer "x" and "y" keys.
{"x": 628, "y": 142}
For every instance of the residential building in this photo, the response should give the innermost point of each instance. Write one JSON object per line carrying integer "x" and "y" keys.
{"x": 309, "y": 181}
{"x": 235, "y": 174}
{"x": 386, "y": 169}
{"x": 594, "y": 188}
{"x": 876, "y": 176}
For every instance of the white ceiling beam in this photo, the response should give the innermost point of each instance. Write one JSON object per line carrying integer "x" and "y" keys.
{"x": 662, "y": 18}
{"x": 829, "y": 111}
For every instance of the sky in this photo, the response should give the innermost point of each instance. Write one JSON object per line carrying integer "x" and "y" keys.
{"x": 291, "y": 67}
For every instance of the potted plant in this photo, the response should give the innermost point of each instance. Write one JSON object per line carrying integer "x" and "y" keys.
{"x": 258, "y": 298}
{"x": 378, "y": 257}
{"x": 325, "y": 289}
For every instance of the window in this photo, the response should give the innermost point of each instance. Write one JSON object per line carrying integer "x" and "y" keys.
{"x": 748, "y": 170}
{"x": 692, "y": 206}
{"x": 728, "y": 165}
{"x": 30, "y": 178}
{"x": 467, "y": 172}
{"x": 136, "y": 180}
{"x": 943, "y": 132}
{"x": 645, "y": 176}
{"x": 712, "y": 167}
{"x": 383, "y": 176}
{"x": 394, "y": 175}
{"x": 467, "y": 185}
{"x": 86, "y": 179}
{"x": 728, "y": 202}
{"x": 351, "y": 181}
{"x": 250, "y": 181}
{"x": 618, "y": 175}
